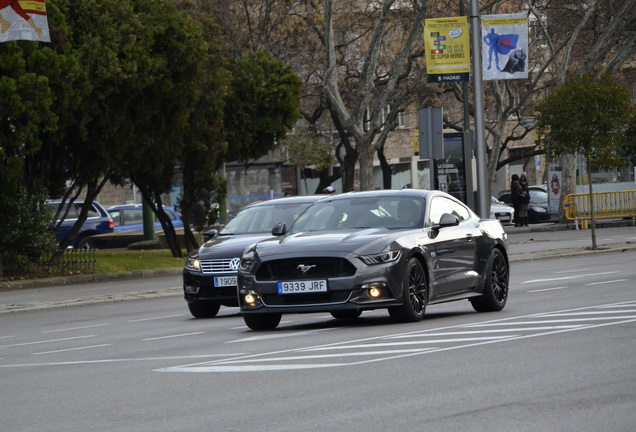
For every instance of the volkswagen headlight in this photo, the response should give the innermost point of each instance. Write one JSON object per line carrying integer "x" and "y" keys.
{"x": 193, "y": 263}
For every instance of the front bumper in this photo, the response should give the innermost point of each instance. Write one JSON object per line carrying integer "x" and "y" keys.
{"x": 199, "y": 288}
{"x": 343, "y": 293}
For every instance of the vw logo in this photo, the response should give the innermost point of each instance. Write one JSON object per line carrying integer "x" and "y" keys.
{"x": 234, "y": 264}
{"x": 305, "y": 268}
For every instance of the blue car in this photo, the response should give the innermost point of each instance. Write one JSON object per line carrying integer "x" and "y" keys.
{"x": 97, "y": 222}
{"x": 129, "y": 217}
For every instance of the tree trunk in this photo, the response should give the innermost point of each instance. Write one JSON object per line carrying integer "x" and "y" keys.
{"x": 568, "y": 172}
{"x": 386, "y": 169}
{"x": 366, "y": 151}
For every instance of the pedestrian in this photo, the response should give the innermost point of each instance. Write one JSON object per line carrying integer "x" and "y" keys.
{"x": 525, "y": 200}
{"x": 515, "y": 197}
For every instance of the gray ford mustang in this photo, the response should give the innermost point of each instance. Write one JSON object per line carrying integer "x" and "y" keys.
{"x": 399, "y": 250}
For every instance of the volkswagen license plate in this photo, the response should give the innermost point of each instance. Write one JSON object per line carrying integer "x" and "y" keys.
{"x": 300, "y": 287}
{"x": 225, "y": 281}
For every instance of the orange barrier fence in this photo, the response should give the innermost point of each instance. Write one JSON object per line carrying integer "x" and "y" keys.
{"x": 606, "y": 205}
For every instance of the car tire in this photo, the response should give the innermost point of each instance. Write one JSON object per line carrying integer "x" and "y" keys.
{"x": 84, "y": 243}
{"x": 262, "y": 321}
{"x": 414, "y": 294}
{"x": 346, "y": 314}
{"x": 496, "y": 286}
{"x": 204, "y": 310}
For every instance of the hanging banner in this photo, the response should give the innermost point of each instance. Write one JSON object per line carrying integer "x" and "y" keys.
{"x": 447, "y": 46}
{"x": 23, "y": 20}
{"x": 504, "y": 49}
{"x": 554, "y": 190}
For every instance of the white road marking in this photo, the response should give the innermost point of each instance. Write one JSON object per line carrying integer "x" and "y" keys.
{"x": 370, "y": 350}
{"x": 568, "y": 277}
{"x": 75, "y": 328}
{"x": 71, "y": 349}
{"x": 549, "y": 289}
{"x": 278, "y": 335}
{"x": 105, "y": 361}
{"x": 46, "y": 341}
{"x": 606, "y": 282}
{"x": 173, "y": 336}
{"x": 154, "y": 318}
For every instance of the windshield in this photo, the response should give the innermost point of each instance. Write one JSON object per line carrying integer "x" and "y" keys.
{"x": 391, "y": 212}
{"x": 262, "y": 218}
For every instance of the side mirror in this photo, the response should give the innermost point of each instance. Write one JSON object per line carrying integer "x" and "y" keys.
{"x": 447, "y": 220}
{"x": 280, "y": 229}
{"x": 208, "y": 235}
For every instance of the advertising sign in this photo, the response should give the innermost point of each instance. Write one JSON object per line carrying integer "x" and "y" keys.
{"x": 447, "y": 46}
{"x": 450, "y": 172}
{"x": 554, "y": 190}
{"x": 23, "y": 19}
{"x": 504, "y": 49}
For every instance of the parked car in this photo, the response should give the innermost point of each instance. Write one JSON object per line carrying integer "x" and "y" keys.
{"x": 209, "y": 276}
{"x": 129, "y": 217}
{"x": 499, "y": 210}
{"x": 97, "y": 222}
{"x": 538, "y": 207}
{"x": 398, "y": 250}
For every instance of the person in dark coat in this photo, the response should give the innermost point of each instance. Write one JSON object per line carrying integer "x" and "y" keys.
{"x": 516, "y": 196}
{"x": 525, "y": 201}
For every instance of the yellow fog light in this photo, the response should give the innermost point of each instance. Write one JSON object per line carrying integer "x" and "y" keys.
{"x": 374, "y": 291}
{"x": 250, "y": 299}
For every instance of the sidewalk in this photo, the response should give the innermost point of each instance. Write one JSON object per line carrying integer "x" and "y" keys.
{"x": 535, "y": 242}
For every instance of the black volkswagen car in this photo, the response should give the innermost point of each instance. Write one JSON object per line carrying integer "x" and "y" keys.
{"x": 398, "y": 250}
{"x": 209, "y": 276}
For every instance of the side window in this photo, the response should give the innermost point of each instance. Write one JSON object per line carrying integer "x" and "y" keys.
{"x": 460, "y": 211}
{"x": 114, "y": 216}
{"x": 439, "y": 206}
{"x": 133, "y": 216}
{"x": 92, "y": 211}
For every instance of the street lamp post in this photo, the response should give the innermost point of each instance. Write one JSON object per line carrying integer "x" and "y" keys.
{"x": 480, "y": 131}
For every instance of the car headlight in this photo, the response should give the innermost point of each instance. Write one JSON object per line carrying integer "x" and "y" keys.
{"x": 248, "y": 259}
{"x": 381, "y": 258}
{"x": 539, "y": 209}
{"x": 193, "y": 263}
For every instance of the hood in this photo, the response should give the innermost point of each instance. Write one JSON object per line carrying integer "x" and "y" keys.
{"x": 229, "y": 246}
{"x": 364, "y": 241}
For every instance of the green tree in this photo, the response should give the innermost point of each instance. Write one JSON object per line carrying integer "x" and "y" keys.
{"x": 304, "y": 149}
{"x": 37, "y": 84}
{"x": 589, "y": 116}
{"x": 204, "y": 146}
{"x": 261, "y": 105}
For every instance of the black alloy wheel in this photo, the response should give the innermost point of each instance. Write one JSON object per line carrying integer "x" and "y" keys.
{"x": 496, "y": 286}
{"x": 414, "y": 294}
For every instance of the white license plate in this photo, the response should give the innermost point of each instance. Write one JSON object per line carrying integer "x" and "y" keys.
{"x": 302, "y": 287}
{"x": 225, "y": 281}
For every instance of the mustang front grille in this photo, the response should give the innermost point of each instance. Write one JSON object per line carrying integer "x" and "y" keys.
{"x": 308, "y": 268}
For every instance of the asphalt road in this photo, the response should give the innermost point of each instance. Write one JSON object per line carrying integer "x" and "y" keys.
{"x": 560, "y": 356}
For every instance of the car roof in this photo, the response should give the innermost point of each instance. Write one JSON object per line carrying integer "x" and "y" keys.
{"x": 413, "y": 193}
{"x": 289, "y": 200}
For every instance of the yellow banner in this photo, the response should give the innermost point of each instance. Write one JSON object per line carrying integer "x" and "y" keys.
{"x": 447, "y": 47}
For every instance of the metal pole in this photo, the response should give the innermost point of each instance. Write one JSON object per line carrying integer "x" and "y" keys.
{"x": 480, "y": 131}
